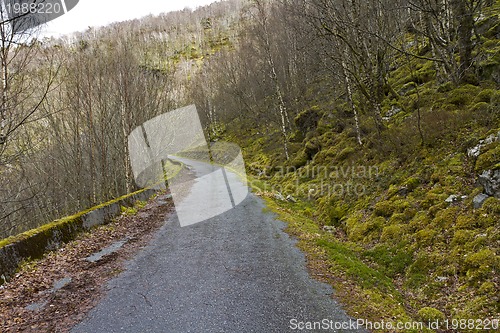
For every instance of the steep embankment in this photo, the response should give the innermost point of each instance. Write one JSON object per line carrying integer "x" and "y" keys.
{"x": 406, "y": 225}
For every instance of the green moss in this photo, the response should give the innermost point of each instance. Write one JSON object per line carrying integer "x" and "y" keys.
{"x": 467, "y": 222}
{"x": 393, "y": 233}
{"x": 384, "y": 208}
{"x": 411, "y": 183}
{"x": 428, "y": 314}
{"x": 462, "y": 237}
{"x": 488, "y": 288}
{"x": 345, "y": 153}
{"x": 446, "y": 87}
{"x": 485, "y": 96}
{"x": 463, "y": 96}
{"x": 481, "y": 265}
{"x": 63, "y": 221}
{"x": 420, "y": 221}
{"x": 422, "y": 264}
{"x": 393, "y": 259}
{"x": 332, "y": 212}
{"x": 128, "y": 211}
{"x": 480, "y": 108}
{"x": 367, "y": 231}
{"x": 354, "y": 267}
{"x": 489, "y": 158}
{"x": 312, "y": 147}
{"x": 425, "y": 237}
{"x": 491, "y": 206}
{"x": 300, "y": 159}
{"x": 140, "y": 204}
{"x": 397, "y": 218}
{"x": 445, "y": 218}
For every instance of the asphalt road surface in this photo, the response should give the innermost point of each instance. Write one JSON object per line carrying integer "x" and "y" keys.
{"x": 235, "y": 272}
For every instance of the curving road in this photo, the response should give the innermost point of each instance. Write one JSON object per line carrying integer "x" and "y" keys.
{"x": 235, "y": 272}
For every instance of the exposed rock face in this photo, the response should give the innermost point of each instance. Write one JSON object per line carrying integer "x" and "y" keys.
{"x": 490, "y": 180}
{"x": 394, "y": 111}
{"x": 452, "y": 198}
{"x": 476, "y": 151}
{"x": 479, "y": 200}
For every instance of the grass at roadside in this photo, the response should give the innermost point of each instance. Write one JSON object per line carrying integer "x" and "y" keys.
{"x": 366, "y": 292}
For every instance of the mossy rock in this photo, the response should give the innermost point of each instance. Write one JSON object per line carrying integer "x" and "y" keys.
{"x": 408, "y": 87}
{"x": 308, "y": 120}
{"x": 425, "y": 237}
{"x": 463, "y": 96}
{"x": 384, "y": 208}
{"x": 481, "y": 265}
{"x": 345, "y": 153}
{"x": 462, "y": 237}
{"x": 437, "y": 208}
{"x": 446, "y": 87}
{"x": 428, "y": 314}
{"x": 300, "y": 159}
{"x": 491, "y": 206}
{"x": 397, "y": 218}
{"x": 412, "y": 183}
{"x": 312, "y": 147}
{"x": 430, "y": 200}
{"x": 488, "y": 288}
{"x": 426, "y": 74}
{"x": 297, "y": 137}
{"x": 485, "y": 96}
{"x": 446, "y": 218}
{"x": 420, "y": 221}
{"x": 393, "y": 233}
{"x": 480, "y": 108}
{"x": 489, "y": 158}
{"x": 367, "y": 231}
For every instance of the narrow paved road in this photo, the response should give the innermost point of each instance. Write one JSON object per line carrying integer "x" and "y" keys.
{"x": 236, "y": 272}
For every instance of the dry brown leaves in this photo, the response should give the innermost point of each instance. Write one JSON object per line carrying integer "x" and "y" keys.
{"x": 65, "y": 307}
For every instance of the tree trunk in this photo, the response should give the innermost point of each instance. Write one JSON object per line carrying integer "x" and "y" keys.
{"x": 465, "y": 21}
{"x": 351, "y": 102}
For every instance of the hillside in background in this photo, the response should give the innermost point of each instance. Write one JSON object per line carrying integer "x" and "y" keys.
{"x": 373, "y": 129}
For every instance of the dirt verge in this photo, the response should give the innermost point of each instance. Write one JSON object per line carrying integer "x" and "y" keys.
{"x": 54, "y": 293}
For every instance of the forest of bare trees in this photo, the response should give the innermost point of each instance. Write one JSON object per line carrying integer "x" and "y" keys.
{"x": 68, "y": 104}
